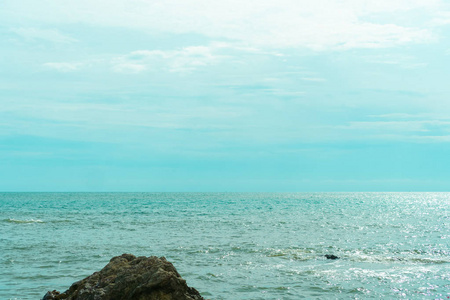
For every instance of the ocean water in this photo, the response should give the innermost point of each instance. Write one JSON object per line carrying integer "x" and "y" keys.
{"x": 233, "y": 245}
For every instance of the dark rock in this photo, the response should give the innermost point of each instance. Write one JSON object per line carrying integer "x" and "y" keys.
{"x": 331, "y": 256}
{"x": 51, "y": 295}
{"x": 129, "y": 277}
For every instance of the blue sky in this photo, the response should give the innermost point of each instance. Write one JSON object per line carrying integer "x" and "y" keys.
{"x": 196, "y": 95}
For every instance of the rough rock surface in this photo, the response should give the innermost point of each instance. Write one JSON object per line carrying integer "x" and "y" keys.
{"x": 131, "y": 277}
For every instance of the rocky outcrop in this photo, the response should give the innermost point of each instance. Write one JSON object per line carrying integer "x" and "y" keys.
{"x": 130, "y": 277}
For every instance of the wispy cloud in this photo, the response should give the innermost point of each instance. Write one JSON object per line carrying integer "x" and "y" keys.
{"x": 99, "y": 116}
{"x": 401, "y": 60}
{"x": 130, "y": 68}
{"x": 319, "y": 25}
{"x": 51, "y": 35}
{"x": 408, "y": 128}
{"x": 399, "y": 116}
{"x": 63, "y": 67}
{"x": 179, "y": 60}
{"x": 183, "y": 60}
{"x": 441, "y": 19}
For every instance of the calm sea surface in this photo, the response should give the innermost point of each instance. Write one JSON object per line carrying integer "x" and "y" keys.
{"x": 232, "y": 245}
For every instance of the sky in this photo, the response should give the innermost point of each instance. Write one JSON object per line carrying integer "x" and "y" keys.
{"x": 224, "y": 96}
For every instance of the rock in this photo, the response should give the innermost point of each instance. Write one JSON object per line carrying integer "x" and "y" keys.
{"x": 331, "y": 256}
{"x": 51, "y": 295}
{"x": 129, "y": 277}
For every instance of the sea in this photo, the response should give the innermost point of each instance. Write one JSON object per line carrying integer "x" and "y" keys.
{"x": 234, "y": 245}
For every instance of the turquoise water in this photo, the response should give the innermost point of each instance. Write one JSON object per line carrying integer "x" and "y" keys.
{"x": 232, "y": 245}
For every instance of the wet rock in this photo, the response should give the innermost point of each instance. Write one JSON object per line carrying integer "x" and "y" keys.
{"x": 129, "y": 277}
{"x": 331, "y": 256}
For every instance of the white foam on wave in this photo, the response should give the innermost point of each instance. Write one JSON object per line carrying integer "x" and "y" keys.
{"x": 10, "y": 220}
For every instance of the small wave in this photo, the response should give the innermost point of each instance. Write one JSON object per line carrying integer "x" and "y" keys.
{"x": 430, "y": 261}
{"x": 292, "y": 254}
{"x": 306, "y": 254}
{"x": 23, "y": 221}
{"x": 387, "y": 259}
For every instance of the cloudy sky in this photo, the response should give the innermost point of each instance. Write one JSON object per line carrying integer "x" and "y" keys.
{"x": 193, "y": 95}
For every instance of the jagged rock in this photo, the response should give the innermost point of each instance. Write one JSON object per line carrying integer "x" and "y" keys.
{"x": 129, "y": 277}
{"x": 331, "y": 256}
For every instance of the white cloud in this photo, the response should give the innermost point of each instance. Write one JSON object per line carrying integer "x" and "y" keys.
{"x": 63, "y": 66}
{"x": 51, "y": 35}
{"x": 184, "y": 60}
{"x": 320, "y": 24}
{"x": 393, "y": 6}
{"x": 442, "y": 18}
